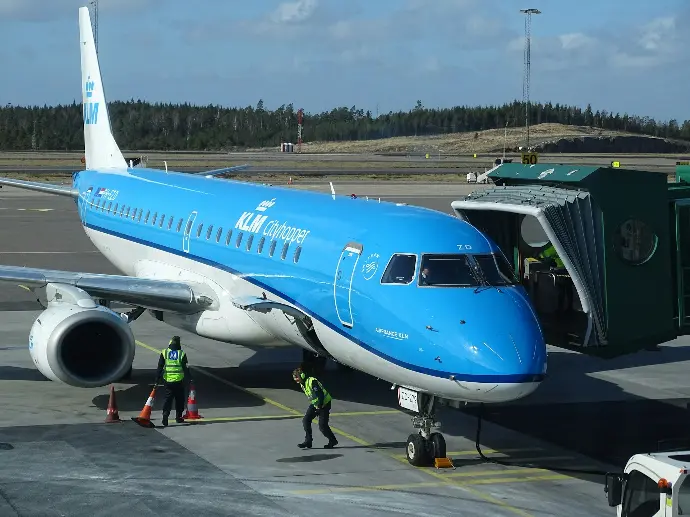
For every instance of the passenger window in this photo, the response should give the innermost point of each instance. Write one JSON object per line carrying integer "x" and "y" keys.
{"x": 146, "y": 219}
{"x": 448, "y": 270}
{"x": 115, "y": 209}
{"x": 160, "y": 225}
{"x": 496, "y": 269}
{"x": 198, "y": 230}
{"x": 261, "y": 245}
{"x": 189, "y": 227}
{"x": 227, "y": 239}
{"x": 298, "y": 252}
{"x": 109, "y": 205}
{"x": 249, "y": 241}
{"x": 170, "y": 222}
{"x": 239, "y": 240}
{"x": 285, "y": 248}
{"x": 219, "y": 233}
{"x": 155, "y": 216}
{"x": 208, "y": 232}
{"x": 179, "y": 225}
{"x": 122, "y": 210}
{"x": 141, "y": 211}
{"x": 127, "y": 214}
{"x": 98, "y": 203}
{"x": 272, "y": 248}
{"x": 641, "y": 496}
{"x": 400, "y": 269}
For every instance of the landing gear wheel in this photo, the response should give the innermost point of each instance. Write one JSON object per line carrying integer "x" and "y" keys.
{"x": 438, "y": 445}
{"x": 416, "y": 450}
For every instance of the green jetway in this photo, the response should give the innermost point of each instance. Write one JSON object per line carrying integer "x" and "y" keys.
{"x": 622, "y": 239}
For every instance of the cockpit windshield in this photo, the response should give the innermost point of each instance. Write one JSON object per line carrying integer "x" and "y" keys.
{"x": 496, "y": 269}
{"x": 458, "y": 270}
{"x": 450, "y": 270}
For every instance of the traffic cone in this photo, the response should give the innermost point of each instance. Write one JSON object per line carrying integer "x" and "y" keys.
{"x": 192, "y": 412}
{"x": 111, "y": 414}
{"x": 144, "y": 418}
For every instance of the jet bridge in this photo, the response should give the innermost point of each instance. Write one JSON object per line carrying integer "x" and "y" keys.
{"x": 608, "y": 290}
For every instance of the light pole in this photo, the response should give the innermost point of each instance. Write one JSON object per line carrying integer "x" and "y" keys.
{"x": 525, "y": 82}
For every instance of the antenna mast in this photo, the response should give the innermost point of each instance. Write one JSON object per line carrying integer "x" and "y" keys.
{"x": 525, "y": 82}
{"x": 94, "y": 5}
{"x": 300, "y": 113}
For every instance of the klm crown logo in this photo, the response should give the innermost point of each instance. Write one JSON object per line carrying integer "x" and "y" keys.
{"x": 90, "y": 108}
{"x": 265, "y": 205}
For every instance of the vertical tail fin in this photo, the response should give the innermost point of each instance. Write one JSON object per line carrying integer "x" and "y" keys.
{"x": 101, "y": 149}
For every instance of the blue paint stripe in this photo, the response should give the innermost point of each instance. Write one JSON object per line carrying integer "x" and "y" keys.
{"x": 495, "y": 379}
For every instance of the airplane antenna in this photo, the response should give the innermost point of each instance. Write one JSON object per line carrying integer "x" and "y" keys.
{"x": 94, "y": 4}
{"x": 300, "y": 113}
{"x": 332, "y": 189}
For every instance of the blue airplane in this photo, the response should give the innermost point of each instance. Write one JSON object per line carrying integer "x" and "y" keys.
{"x": 412, "y": 296}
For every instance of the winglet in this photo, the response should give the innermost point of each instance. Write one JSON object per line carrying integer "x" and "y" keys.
{"x": 101, "y": 150}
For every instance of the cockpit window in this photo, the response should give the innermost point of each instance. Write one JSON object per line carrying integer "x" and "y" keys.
{"x": 400, "y": 269}
{"x": 496, "y": 269}
{"x": 448, "y": 270}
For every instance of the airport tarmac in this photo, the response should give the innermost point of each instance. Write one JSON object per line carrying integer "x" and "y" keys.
{"x": 59, "y": 458}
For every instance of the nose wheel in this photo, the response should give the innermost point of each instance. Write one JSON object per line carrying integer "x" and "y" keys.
{"x": 423, "y": 447}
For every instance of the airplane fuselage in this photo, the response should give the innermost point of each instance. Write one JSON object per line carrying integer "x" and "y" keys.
{"x": 353, "y": 266}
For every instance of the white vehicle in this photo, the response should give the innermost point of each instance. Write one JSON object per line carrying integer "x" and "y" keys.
{"x": 652, "y": 485}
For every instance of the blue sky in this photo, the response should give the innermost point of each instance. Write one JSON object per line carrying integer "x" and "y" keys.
{"x": 619, "y": 55}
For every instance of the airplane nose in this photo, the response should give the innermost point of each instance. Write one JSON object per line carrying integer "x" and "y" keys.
{"x": 511, "y": 345}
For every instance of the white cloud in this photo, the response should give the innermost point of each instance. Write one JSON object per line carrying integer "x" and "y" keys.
{"x": 299, "y": 11}
{"x": 50, "y": 10}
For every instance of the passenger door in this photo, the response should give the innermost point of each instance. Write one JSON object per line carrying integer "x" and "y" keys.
{"x": 187, "y": 231}
{"x": 342, "y": 284}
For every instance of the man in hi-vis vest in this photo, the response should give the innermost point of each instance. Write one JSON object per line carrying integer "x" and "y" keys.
{"x": 174, "y": 371}
{"x": 319, "y": 404}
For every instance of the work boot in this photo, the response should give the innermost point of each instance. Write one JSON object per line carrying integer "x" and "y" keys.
{"x": 331, "y": 444}
{"x": 306, "y": 444}
{"x": 165, "y": 421}
{"x": 179, "y": 419}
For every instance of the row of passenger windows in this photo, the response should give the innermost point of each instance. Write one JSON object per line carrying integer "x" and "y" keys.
{"x": 450, "y": 270}
{"x": 137, "y": 216}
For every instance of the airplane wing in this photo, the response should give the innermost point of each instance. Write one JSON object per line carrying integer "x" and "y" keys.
{"x": 218, "y": 172}
{"x": 60, "y": 190}
{"x": 181, "y": 297}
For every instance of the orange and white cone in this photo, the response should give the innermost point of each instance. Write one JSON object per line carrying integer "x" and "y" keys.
{"x": 144, "y": 418}
{"x": 192, "y": 412}
{"x": 111, "y": 414}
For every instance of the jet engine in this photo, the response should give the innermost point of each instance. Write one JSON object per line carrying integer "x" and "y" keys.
{"x": 83, "y": 345}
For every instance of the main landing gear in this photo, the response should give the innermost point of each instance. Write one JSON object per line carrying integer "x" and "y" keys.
{"x": 424, "y": 446}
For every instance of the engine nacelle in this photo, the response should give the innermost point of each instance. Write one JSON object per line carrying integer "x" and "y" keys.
{"x": 83, "y": 345}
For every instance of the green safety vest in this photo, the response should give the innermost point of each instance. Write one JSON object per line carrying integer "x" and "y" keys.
{"x": 172, "y": 371}
{"x": 307, "y": 391}
{"x": 550, "y": 252}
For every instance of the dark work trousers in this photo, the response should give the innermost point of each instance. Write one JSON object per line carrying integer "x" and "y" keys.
{"x": 174, "y": 390}
{"x": 323, "y": 414}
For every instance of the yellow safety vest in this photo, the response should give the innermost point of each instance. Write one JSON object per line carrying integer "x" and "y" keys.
{"x": 307, "y": 391}
{"x": 172, "y": 371}
{"x": 550, "y": 252}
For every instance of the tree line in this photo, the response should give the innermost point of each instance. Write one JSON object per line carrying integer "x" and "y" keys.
{"x": 186, "y": 127}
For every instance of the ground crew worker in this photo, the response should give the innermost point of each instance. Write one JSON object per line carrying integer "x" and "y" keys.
{"x": 320, "y": 404}
{"x": 550, "y": 256}
{"x": 174, "y": 371}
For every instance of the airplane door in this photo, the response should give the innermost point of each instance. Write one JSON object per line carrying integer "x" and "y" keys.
{"x": 342, "y": 284}
{"x": 85, "y": 199}
{"x": 187, "y": 231}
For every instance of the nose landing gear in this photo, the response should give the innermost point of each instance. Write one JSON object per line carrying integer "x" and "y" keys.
{"x": 422, "y": 447}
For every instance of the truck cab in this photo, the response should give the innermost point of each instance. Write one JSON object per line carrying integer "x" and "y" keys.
{"x": 652, "y": 485}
